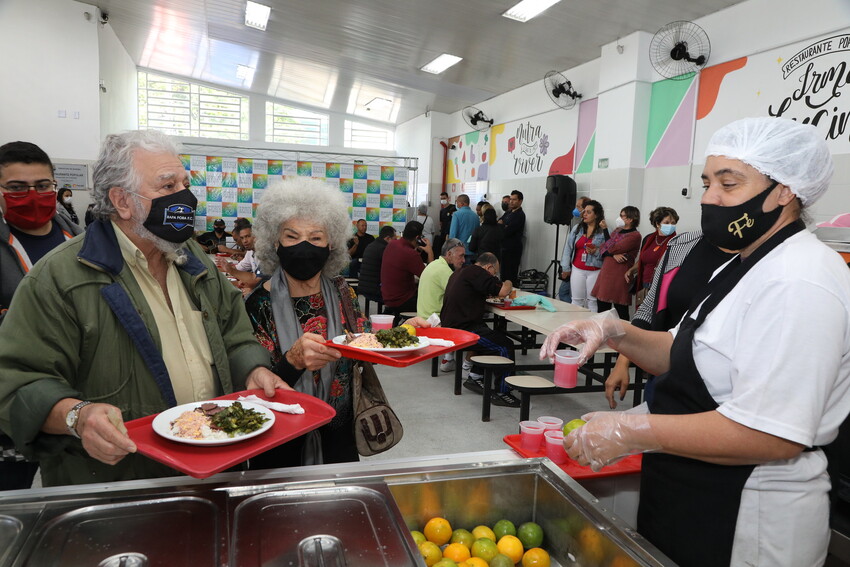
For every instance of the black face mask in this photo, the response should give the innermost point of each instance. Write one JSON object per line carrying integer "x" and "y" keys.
{"x": 735, "y": 228}
{"x": 172, "y": 217}
{"x": 505, "y": 206}
{"x": 303, "y": 260}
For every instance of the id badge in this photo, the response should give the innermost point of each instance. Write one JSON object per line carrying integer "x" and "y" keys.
{"x": 584, "y": 257}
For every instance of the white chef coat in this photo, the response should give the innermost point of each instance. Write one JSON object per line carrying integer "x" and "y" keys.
{"x": 775, "y": 355}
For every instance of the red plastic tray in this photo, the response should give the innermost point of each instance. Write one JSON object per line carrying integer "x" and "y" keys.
{"x": 461, "y": 339}
{"x": 629, "y": 465}
{"x": 202, "y": 462}
{"x": 515, "y": 307}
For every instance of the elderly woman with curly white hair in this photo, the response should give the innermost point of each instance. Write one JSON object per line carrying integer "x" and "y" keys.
{"x": 300, "y": 239}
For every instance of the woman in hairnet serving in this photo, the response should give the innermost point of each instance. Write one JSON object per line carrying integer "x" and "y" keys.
{"x": 753, "y": 380}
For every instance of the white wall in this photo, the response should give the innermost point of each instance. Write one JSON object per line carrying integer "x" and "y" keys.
{"x": 118, "y": 105}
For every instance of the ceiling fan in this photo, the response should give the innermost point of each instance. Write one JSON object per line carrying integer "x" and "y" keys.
{"x": 679, "y": 50}
{"x": 560, "y": 90}
{"x": 476, "y": 118}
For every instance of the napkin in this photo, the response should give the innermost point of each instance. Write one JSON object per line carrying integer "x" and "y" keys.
{"x": 274, "y": 406}
{"x": 534, "y": 299}
{"x": 434, "y": 320}
{"x": 440, "y": 342}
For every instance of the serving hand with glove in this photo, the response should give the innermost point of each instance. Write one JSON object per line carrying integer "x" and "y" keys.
{"x": 607, "y": 437}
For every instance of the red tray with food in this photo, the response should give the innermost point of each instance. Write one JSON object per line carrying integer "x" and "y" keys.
{"x": 629, "y": 465}
{"x": 407, "y": 356}
{"x": 201, "y": 461}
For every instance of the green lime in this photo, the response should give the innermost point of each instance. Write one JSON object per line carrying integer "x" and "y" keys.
{"x": 530, "y": 534}
{"x": 463, "y": 536}
{"x": 503, "y": 528}
{"x": 574, "y": 424}
{"x": 501, "y": 560}
{"x": 418, "y": 537}
{"x": 445, "y": 563}
{"x": 485, "y": 549}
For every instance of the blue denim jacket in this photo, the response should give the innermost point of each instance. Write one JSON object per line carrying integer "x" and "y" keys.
{"x": 592, "y": 260}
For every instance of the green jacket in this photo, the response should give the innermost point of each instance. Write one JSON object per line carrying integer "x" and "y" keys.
{"x": 79, "y": 327}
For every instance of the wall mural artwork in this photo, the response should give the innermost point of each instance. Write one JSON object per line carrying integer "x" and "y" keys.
{"x": 808, "y": 81}
{"x": 671, "y": 122}
{"x": 586, "y": 137}
{"x": 229, "y": 188}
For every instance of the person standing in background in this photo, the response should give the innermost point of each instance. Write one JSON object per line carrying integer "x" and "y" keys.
{"x": 506, "y": 205}
{"x": 653, "y": 247}
{"x": 64, "y": 198}
{"x": 489, "y": 236}
{"x": 514, "y": 223}
{"x": 446, "y": 212}
{"x": 618, "y": 254}
{"x": 564, "y": 293}
{"x": 582, "y": 260}
{"x": 464, "y": 221}
{"x": 357, "y": 246}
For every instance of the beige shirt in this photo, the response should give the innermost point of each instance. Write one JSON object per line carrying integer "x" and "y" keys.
{"x": 185, "y": 348}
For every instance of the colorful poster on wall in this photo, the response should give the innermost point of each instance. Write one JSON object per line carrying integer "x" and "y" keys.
{"x": 807, "y": 81}
{"x": 229, "y": 188}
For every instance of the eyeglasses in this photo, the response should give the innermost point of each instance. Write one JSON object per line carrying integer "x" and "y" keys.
{"x": 21, "y": 189}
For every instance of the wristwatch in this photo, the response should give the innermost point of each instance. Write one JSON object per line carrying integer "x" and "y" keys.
{"x": 72, "y": 417}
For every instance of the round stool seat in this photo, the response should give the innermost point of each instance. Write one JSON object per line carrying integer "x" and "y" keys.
{"x": 491, "y": 360}
{"x": 408, "y": 314}
{"x": 523, "y": 382}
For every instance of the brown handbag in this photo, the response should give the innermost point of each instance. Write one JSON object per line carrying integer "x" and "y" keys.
{"x": 376, "y": 426}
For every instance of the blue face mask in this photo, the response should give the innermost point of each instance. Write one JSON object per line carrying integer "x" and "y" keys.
{"x": 576, "y": 212}
{"x": 668, "y": 229}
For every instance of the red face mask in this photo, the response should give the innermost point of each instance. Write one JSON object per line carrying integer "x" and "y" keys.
{"x": 32, "y": 211}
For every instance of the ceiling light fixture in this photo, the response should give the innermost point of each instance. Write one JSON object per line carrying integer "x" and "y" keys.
{"x": 441, "y": 63}
{"x": 257, "y": 15}
{"x": 528, "y": 9}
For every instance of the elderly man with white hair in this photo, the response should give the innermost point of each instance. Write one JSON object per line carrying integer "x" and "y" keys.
{"x": 753, "y": 380}
{"x": 122, "y": 322}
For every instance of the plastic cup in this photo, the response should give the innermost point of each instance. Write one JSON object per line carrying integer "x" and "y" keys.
{"x": 381, "y": 322}
{"x": 508, "y": 301}
{"x": 551, "y": 423}
{"x": 530, "y": 435}
{"x": 566, "y": 368}
{"x": 554, "y": 441}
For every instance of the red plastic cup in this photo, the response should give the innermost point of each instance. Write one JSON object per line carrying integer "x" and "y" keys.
{"x": 566, "y": 368}
{"x": 381, "y": 321}
{"x": 530, "y": 435}
{"x": 507, "y": 302}
{"x": 554, "y": 441}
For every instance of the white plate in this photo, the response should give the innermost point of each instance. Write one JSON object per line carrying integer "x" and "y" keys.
{"x": 423, "y": 342}
{"x": 162, "y": 423}
{"x": 495, "y": 301}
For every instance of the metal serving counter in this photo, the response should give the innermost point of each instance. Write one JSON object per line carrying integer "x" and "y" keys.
{"x": 354, "y": 514}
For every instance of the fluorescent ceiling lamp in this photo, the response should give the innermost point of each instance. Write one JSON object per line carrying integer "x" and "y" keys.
{"x": 441, "y": 63}
{"x": 257, "y": 15}
{"x": 527, "y": 9}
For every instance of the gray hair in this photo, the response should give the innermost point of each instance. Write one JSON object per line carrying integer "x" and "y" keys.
{"x": 422, "y": 209}
{"x": 302, "y": 198}
{"x": 115, "y": 165}
{"x": 449, "y": 244}
{"x": 487, "y": 259}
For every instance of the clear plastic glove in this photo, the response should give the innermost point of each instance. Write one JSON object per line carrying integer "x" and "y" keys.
{"x": 607, "y": 437}
{"x": 593, "y": 332}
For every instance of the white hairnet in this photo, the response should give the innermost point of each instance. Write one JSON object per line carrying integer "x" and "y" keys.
{"x": 791, "y": 153}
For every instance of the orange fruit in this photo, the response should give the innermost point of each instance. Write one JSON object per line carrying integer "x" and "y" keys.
{"x": 476, "y": 562}
{"x": 430, "y": 552}
{"x": 484, "y": 532}
{"x": 510, "y": 546}
{"x": 503, "y": 528}
{"x": 536, "y": 557}
{"x": 418, "y": 537}
{"x": 529, "y": 533}
{"x": 591, "y": 543}
{"x": 438, "y": 530}
{"x": 485, "y": 548}
{"x": 463, "y": 536}
{"x": 457, "y": 552}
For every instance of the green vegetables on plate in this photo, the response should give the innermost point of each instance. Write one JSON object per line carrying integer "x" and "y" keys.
{"x": 236, "y": 419}
{"x": 397, "y": 337}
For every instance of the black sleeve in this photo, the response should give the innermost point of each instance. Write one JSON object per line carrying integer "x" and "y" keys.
{"x": 286, "y": 371}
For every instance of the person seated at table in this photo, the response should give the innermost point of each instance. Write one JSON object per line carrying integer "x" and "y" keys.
{"x": 464, "y": 305}
{"x": 401, "y": 266}
{"x": 216, "y": 239}
{"x": 432, "y": 287}
{"x": 122, "y": 322}
{"x": 357, "y": 246}
{"x": 245, "y": 270}
{"x": 369, "y": 284}
{"x": 301, "y": 232}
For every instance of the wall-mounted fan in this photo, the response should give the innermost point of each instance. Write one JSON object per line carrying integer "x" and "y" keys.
{"x": 560, "y": 90}
{"x": 679, "y": 49}
{"x": 476, "y": 118}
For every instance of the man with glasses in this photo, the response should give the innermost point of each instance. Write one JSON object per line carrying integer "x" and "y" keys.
{"x": 30, "y": 229}
{"x": 125, "y": 322}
